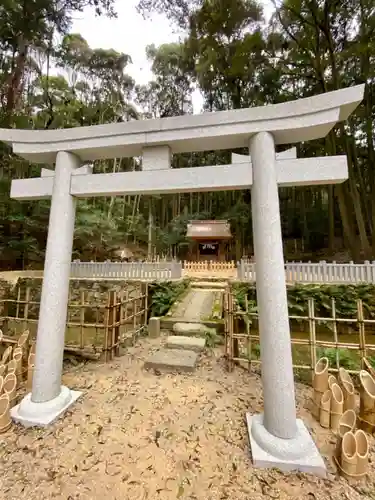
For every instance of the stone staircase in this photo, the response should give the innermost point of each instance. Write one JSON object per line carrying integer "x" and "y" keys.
{"x": 181, "y": 350}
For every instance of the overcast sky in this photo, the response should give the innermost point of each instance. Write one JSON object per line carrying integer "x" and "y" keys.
{"x": 131, "y": 34}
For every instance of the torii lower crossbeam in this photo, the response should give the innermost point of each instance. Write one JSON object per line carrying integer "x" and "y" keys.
{"x": 290, "y": 172}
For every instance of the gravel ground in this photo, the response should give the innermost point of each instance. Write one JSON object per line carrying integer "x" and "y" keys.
{"x": 138, "y": 435}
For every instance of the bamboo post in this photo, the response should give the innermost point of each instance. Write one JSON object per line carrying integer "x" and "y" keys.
{"x": 23, "y": 343}
{"x": 111, "y": 324}
{"x": 226, "y": 331}
{"x": 361, "y": 325}
{"x": 5, "y": 421}
{"x": 331, "y": 380}
{"x": 367, "y": 402}
{"x": 18, "y": 301}
{"x": 106, "y": 328}
{"x": 82, "y": 319}
{"x": 337, "y": 406}
{"x": 117, "y": 322}
{"x": 347, "y": 423}
{"x": 26, "y": 308}
{"x": 18, "y": 358}
{"x": 230, "y": 329}
{"x": 247, "y": 326}
{"x": 30, "y": 371}
{"x": 146, "y": 304}
{"x": 7, "y": 354}
{"x": 325, "y": 406}
{"x": 349, "y": 455}
{"x": 11, "y": 366}
{"x": 335, "y": 335}
{"x": 121, "y": 319}
{"x": 236, "y": 347}
{"x": 10, "y": 388}
{"x": 5, "y": 325}
{"x": 363, "y": 450}
{"x": 2, "y": 369}
{"x": 311, "y": 312}
{"x": 320, "y": 383}
{"x": 347, "y": 386}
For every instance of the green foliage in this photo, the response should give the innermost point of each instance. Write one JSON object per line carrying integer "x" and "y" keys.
{"x": 212, "y": 337}
{"x": 346, "y": 358}
{"x": 164, "y": 295}
{"x": 235, "y": 59}
{"x": 345, "y": 296}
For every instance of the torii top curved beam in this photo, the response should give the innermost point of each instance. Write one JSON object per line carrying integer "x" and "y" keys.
{"x": 289, "y": 122}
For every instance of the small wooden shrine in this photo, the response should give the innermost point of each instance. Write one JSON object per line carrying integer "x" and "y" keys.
{"x": 208, "y": 239}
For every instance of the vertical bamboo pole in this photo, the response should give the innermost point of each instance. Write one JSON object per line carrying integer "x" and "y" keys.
{"x": 121, "y": 318}
{"x": 146, "y": 304}
{"x": 362, "y": 335}
{"x": 312, "y": 326}
{"x": 106, "y": 327}
{"x": 230, "y": 328}
{"x": 111, "y": 325}
{"x": 26, "y": 309}
{"x": 335, "y": 336}
{"x": 117, "y": 321}
{"x": 18, "y": 304}
{"x": 134, "y": 303}
{"x": 247, "y": 325}
{"x": 82, "y": 319}
{"x": 226, "y": 331}
{"x": 310, "y": 306}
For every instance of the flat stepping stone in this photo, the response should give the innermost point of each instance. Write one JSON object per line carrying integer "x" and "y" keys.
{"x": 190, "y": 329}
{"x": 196, "y": 344}
{"x": 172, "y": 360}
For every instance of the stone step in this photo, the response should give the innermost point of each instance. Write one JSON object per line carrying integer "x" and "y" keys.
{"x": 196, "y": 344}
{"x": 210, "y": 285}
{"x": 190, "y": 329}
{"x": 168, "y": 323}
{"x": 172, "y": 360}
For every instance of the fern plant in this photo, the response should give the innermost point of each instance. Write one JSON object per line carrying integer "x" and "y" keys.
{"x": 164, "y": 295}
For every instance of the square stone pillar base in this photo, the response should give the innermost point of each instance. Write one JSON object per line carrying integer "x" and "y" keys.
{"x": 30, "y": 414}
{"x": 299, "y": 453}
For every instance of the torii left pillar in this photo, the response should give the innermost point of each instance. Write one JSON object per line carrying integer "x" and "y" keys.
{"x": 49, "y": 399}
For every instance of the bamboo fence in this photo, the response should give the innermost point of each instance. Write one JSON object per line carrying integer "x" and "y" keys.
{"x": 98, "y": 324}
{"x": 242, "y": 340}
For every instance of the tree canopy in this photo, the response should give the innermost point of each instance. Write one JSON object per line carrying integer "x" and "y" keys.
{"x": 51, "y": 78}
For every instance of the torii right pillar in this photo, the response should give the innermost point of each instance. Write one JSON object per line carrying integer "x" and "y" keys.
{"x": 277, "y": 437}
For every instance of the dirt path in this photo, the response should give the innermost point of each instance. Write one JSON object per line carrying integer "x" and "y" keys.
{"x": 137, "y": 435}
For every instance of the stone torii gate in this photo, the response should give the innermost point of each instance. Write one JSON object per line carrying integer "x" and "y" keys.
{"x": 277, "y": 437}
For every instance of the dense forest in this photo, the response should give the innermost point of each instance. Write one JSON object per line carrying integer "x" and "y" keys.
{"x": 236, "y": 59}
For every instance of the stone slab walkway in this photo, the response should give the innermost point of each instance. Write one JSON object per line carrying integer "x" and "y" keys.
{"x": 181, "y": 352}
{"x": 196, "y": 306}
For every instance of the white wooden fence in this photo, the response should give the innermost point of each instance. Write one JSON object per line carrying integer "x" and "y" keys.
{"x": 321, "y": 272}
{"x": 127, "y": 270}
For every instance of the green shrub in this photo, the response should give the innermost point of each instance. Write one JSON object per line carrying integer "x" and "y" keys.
{"x": 163, "y": 295}
{"x": 347, "y": 359}
{"x": 345, "y": 296}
